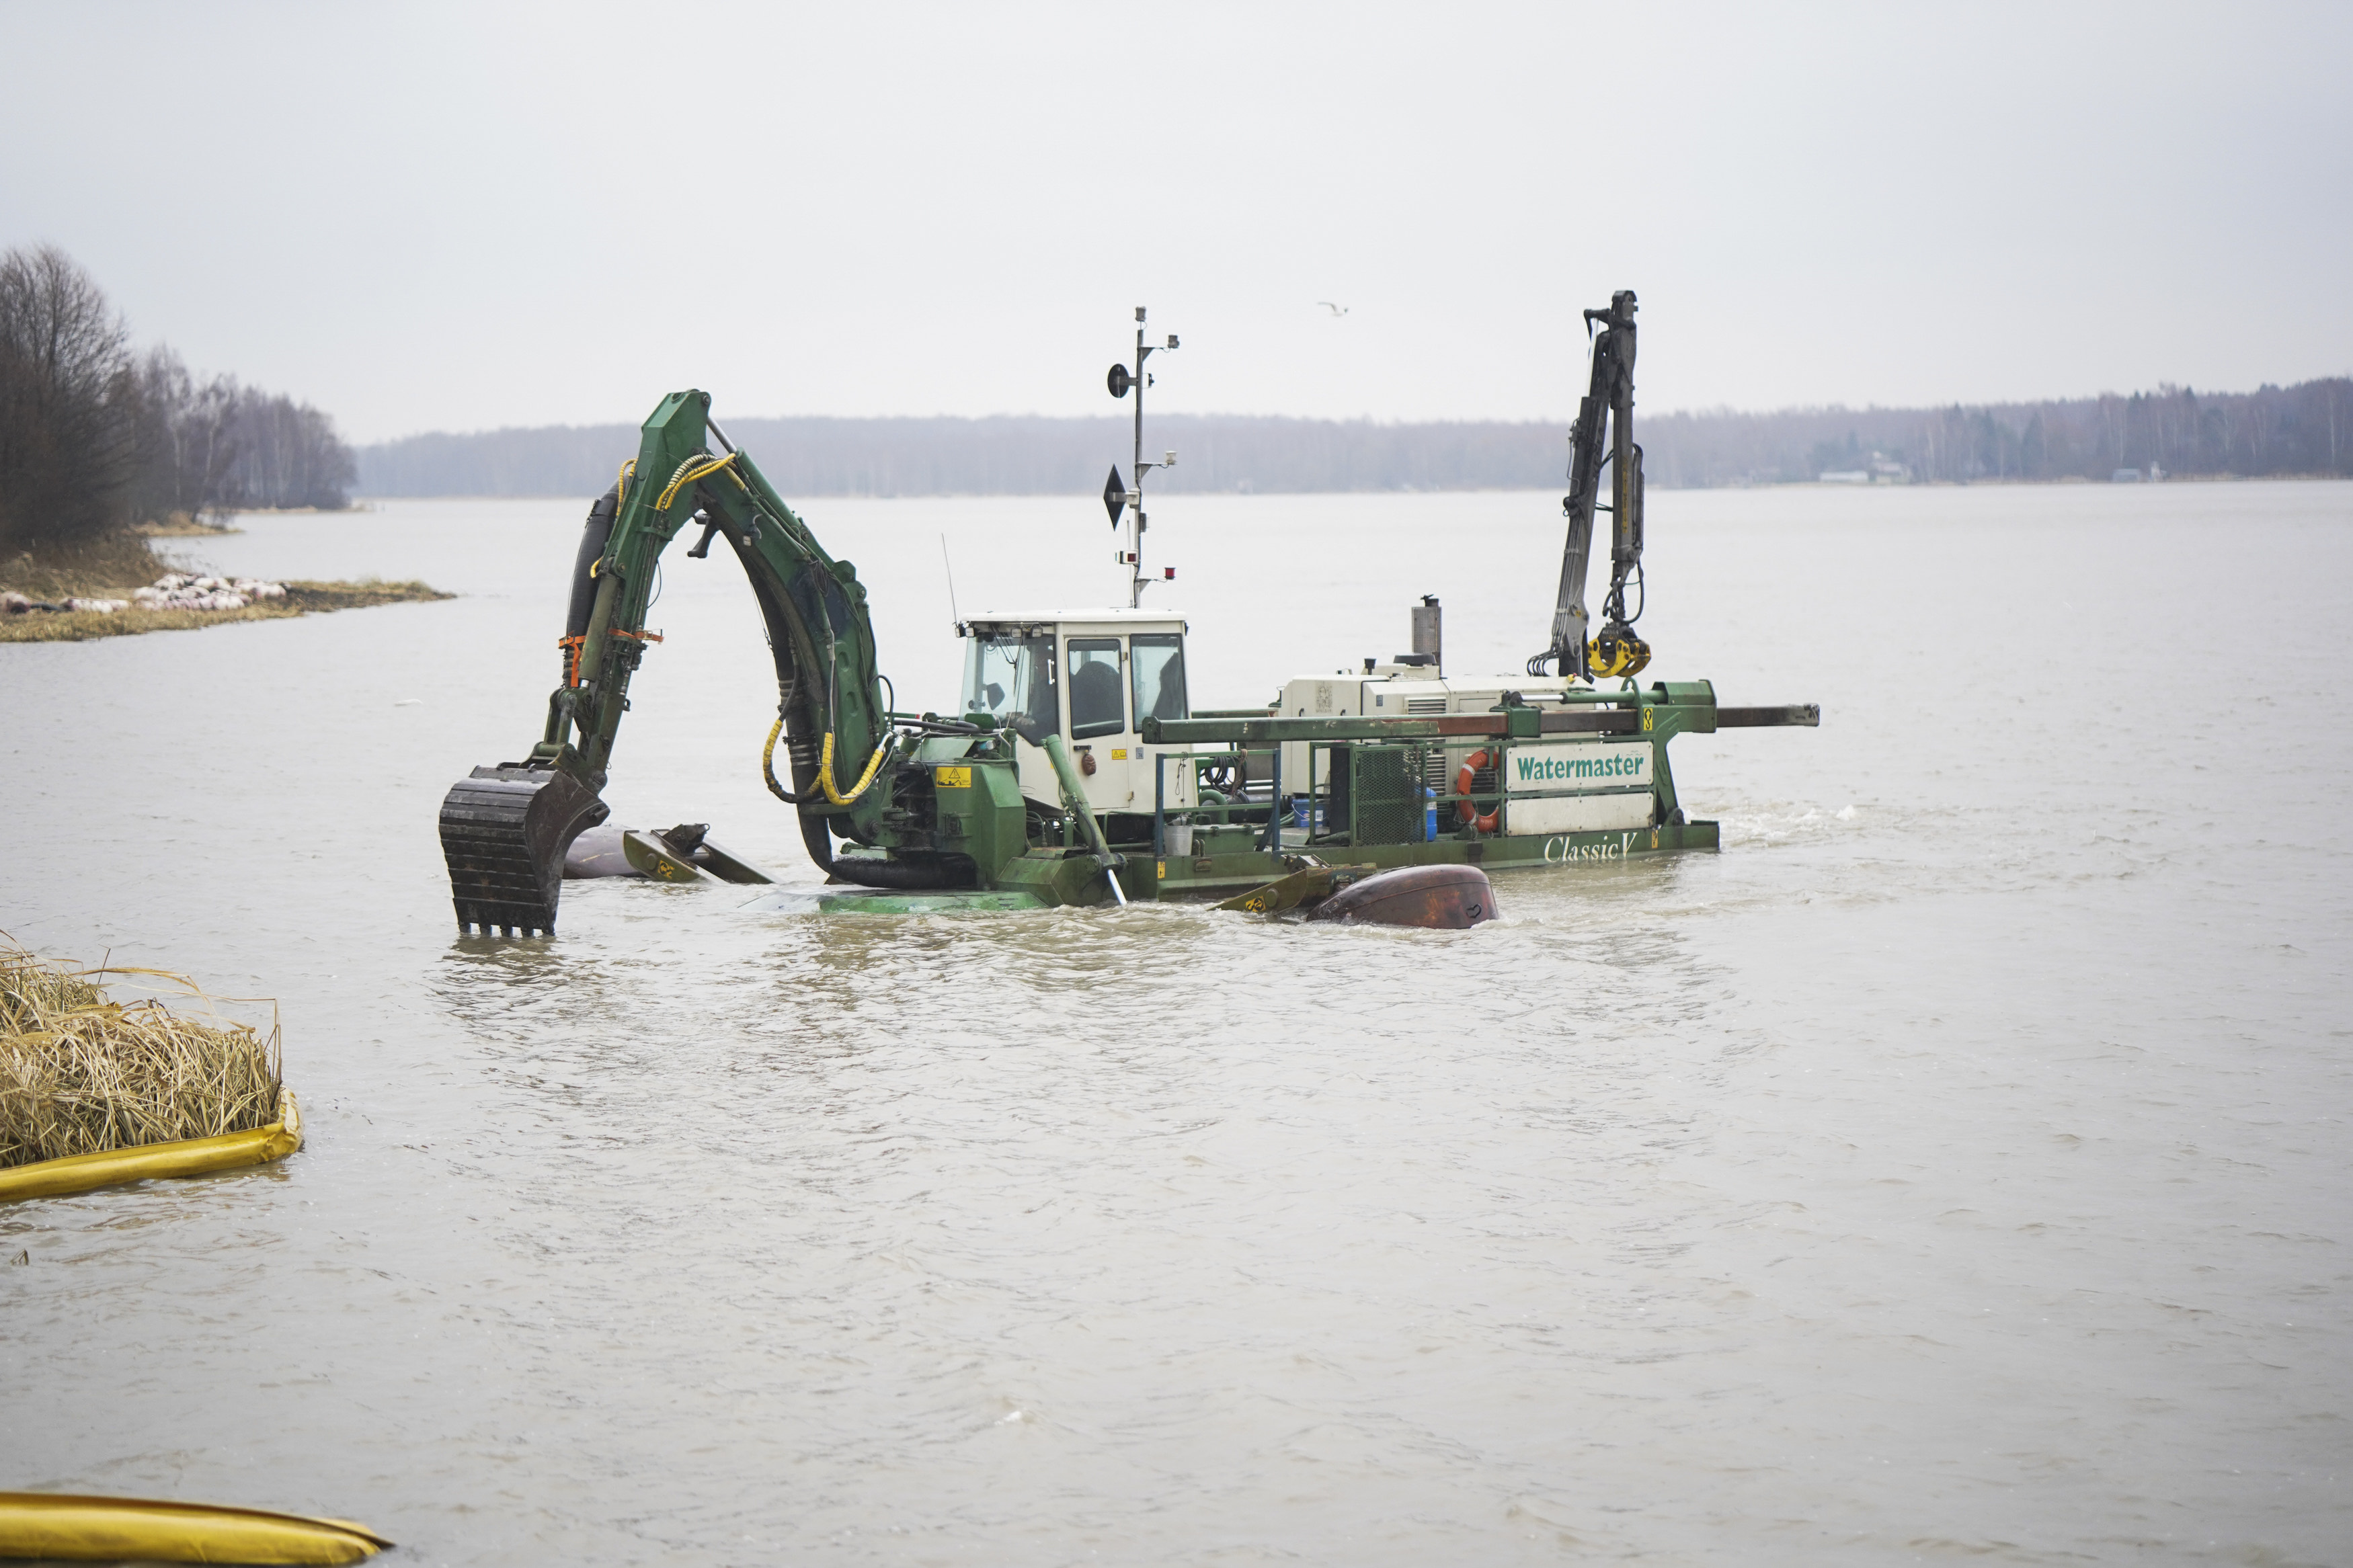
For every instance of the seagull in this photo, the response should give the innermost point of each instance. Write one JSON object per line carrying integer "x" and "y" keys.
{"x": 1337, "y": 310}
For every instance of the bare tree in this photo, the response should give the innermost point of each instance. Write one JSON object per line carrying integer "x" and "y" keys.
{"x": 287, "y": 455}
{"x": 67, "y": 400}
{"x": 185, "y": 443}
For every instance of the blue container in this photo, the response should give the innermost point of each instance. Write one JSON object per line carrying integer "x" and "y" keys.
{"x": 1430, "y": 816}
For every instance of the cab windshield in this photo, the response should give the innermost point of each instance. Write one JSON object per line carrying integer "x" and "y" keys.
{"x": 1012, "y": 678}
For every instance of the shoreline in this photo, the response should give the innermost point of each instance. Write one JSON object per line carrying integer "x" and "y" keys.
{"x": 96, "y": 568}
{"x": 303, "y": 598}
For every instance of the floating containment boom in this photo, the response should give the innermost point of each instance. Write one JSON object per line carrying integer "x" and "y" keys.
{"x": 111, "y": 1530}
{"x": 148, "y": 1162}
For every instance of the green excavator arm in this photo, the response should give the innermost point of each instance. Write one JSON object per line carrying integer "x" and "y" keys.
{"x": 505, "y": 829}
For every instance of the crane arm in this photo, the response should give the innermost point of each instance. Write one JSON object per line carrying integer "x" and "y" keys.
{"x": 505, "y": 830}
{"x": 1603, "y": 436}
{"x": 819, "y": 633}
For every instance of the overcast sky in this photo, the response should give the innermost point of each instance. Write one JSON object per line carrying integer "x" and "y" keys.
{"x": 459, "y": 218}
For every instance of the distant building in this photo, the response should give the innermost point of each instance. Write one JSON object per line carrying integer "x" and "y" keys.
{"x": 1881, "y": 469}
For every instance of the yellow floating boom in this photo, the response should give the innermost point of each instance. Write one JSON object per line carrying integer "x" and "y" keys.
{"x": 103, "y": 1529}
{"x": 184, "y": 1157}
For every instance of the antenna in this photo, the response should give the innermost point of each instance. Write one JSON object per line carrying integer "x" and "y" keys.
{"x": 950, "y": 566}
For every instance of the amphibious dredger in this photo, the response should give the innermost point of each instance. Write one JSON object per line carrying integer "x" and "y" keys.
{"x": 1076, "y": 772}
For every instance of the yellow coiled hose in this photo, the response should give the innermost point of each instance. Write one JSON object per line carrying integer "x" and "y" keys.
{"x": 700, "y": 466}
{"x": 824, "y": 768}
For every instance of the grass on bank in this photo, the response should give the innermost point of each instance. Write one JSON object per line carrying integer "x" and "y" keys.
{"x": 93, "y": 569}
{"x": 111, "y": 568}
{"x": 182, "y": 525}
{"x": 80, "y": 1074}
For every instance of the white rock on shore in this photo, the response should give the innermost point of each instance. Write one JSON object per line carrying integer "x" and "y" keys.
{"x": 178, "y": 590}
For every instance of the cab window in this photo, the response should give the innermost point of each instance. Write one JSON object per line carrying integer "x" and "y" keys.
{"x": 1012, "y": 678}
{"x": 1158, "y": 660}
{"x": 1095, "y": 703}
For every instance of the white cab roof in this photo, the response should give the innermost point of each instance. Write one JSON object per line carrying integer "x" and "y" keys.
{"x": 1106, "y": 616}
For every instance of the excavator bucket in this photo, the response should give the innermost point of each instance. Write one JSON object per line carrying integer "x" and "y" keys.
{"x": 504, "y": 831}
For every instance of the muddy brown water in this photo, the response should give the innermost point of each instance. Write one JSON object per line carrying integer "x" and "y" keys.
{"x": 1954, "y": 1166}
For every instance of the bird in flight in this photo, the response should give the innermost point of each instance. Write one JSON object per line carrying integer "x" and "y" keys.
{"x": 1337, "y": 310}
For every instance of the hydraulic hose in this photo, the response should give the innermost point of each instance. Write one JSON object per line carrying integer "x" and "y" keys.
{"x": 901, "y": 876}
{"x": 825, "y": 771}
{"x": 768, "y": 765}
{"x": 594, "y": 534}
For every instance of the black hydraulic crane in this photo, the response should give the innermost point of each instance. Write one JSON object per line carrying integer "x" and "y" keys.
{"x": 1602, "y": 437}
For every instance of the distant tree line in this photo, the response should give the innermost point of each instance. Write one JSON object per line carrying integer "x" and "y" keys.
{"x": 2304, "y": 429}
{"x": 95, "y": 437}
{"x": 1001, "y": 455}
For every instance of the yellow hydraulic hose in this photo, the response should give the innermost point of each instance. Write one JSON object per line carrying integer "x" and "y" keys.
{"x": 182, "y": 1157}
{"x": 768, "y": 762}
{"x": 825, "y": 772}
{"x": 824, "y": 768}
{"x": 110, "y": 1530}
{"x": 686, "y": 473}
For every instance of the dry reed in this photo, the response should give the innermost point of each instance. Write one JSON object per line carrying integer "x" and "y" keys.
{"x": 80, "y": 1074}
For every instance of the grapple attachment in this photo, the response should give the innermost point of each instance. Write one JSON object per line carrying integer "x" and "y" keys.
{"x": 504, "y": 832}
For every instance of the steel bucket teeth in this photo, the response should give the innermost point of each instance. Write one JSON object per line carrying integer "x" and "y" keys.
{"x": 504, "y": 832}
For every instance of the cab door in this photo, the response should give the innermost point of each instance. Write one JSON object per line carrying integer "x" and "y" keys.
{"x": 1156, "y": 687}
{"x": 1100, "y": 736}
{"x": 1112, "y": 682}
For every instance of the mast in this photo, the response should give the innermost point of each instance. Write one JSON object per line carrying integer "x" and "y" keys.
{"x": 1128, "y": 496}
{"x": 1135, "y": 467}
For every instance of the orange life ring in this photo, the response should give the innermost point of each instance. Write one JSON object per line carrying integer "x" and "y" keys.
{"x": 1471, "y": 766}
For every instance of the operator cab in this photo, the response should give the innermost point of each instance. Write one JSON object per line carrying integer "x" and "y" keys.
{"x": 1090, "y": 677}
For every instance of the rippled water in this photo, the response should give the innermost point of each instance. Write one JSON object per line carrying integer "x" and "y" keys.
{"x": 1953, "y": 1166}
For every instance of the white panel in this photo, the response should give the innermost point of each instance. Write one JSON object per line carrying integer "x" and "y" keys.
{"x": 1545, "y": 766}
{"x": 1578, "y": 814}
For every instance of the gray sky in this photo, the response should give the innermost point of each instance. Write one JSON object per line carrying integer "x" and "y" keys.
{"x": 456, "y": 217}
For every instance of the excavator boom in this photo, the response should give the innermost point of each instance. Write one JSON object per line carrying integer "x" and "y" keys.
{"x": 505, "y": 829}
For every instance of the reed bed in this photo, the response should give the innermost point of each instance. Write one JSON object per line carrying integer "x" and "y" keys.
{"x": 81, "y": 1075}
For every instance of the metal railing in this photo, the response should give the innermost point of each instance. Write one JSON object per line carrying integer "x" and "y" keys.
{"x": 1280, "y": 809}
{"x": 1227, "y": 811}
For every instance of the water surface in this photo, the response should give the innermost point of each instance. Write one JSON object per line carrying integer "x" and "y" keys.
{"x": 1953, "y": 1166}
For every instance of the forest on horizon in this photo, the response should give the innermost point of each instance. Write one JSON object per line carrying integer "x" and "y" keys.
{"x": 2304, "y": 429}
